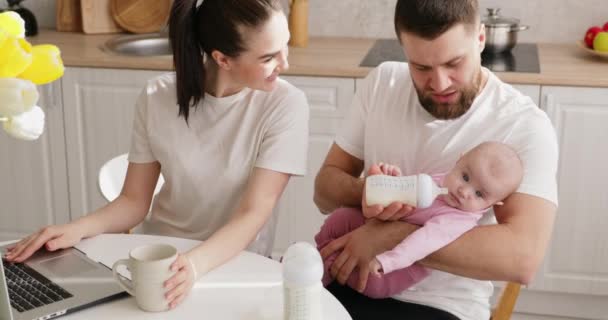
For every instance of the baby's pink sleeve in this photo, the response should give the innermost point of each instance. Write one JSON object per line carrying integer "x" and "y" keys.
{"x": 433, "y": 235}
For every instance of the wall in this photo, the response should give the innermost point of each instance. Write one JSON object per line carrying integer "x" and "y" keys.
{"x": 550, "y": 20}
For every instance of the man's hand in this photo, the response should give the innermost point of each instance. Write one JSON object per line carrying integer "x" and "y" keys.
{"x": 396, "y": 210}
{"x": 361, "y": 246}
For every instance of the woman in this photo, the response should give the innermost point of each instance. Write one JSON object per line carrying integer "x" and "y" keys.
{"x": 226, "y": 152}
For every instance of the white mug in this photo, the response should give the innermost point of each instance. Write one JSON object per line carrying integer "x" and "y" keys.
{"x": 149, "y": 266}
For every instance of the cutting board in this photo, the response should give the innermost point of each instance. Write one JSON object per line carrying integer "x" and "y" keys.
{"x": 141, "y": 16}
{"x": 96, "y": 17}
{"x": 68, "y": 16}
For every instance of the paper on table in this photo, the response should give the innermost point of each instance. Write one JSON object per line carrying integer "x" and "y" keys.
{"x": 244, "y": 270}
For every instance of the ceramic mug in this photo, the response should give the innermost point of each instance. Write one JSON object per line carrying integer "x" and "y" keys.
{"x": 149, "y": 266}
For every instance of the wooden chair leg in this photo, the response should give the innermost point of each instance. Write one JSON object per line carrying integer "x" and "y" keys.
{"x": 506, "y": 303}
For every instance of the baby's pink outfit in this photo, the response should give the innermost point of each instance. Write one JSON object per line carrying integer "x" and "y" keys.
{"x": 440, "y": 225}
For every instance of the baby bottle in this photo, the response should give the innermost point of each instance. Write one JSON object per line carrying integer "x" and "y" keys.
{"x": 302, "y": 273}
{"x": 417, "y": 190}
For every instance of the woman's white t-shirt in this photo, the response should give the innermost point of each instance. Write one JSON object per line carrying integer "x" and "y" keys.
{"x": 207, "y": 162}
{"x": 388, "y": 124}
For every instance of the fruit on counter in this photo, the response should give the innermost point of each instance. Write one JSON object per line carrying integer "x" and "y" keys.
{"x": 600, "y": 43}
{"x": 590, "y": 35}
{"x": 605, "y": 28}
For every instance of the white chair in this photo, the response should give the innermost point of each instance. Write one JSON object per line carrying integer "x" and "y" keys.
{"x": 112, "y": 176}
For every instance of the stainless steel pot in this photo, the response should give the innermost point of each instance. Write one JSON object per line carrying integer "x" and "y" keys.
{"x": 501, "y": 32}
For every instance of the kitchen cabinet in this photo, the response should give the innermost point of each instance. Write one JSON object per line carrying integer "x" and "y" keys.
{"x": 98, "y": 107}
{"x": 33, "y": 185}
{"x": 577, "y": 260}
{"x": 573, "y": 280}
{"x": 532, "y": 91}
{"x": 329, "y": 100}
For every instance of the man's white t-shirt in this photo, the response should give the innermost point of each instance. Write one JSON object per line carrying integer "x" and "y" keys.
{"x": 388, "y": 124}
{"x": 206, "y": 163}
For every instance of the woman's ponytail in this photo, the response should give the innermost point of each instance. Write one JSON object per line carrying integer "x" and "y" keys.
{"x": 187, "y": 55}
{"x": 214, "y": 25}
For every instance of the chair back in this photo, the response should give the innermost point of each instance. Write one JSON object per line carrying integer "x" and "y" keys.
{"x": 112, "y": 176}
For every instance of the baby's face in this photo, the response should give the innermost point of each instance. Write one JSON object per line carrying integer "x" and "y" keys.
{"x": 475, "y": 183}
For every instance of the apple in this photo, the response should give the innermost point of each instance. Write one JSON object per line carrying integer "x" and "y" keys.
{"x": 600, "y": 43}
{"x": 605, "y": 28}
{"x": 590, "y": 35}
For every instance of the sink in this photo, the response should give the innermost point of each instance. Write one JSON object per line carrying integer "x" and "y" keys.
{"x": 153, "y": 44}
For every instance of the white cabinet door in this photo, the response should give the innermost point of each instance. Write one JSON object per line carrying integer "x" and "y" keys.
{"x": 99, "y": 106}
{"x": 532, "y": 91}
{"x": 33, "y": 185}
{"x": 577, "y": 260}
{"x": 329, "y": 99}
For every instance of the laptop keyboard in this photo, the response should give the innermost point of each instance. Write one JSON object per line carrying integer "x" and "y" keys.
{"x": 29, "y": 289}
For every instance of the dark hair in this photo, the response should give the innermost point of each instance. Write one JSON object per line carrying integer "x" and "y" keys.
{"x": 214, "y": 25}
{"x": 431, "y": 18}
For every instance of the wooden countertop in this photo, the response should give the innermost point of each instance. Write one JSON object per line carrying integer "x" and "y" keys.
{"x": 561, "y": 64}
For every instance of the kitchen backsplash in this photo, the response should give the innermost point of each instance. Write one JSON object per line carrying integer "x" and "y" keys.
{"x": 550, "y": 20}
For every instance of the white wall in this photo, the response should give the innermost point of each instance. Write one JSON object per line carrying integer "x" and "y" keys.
{"x": 550, "y": 20}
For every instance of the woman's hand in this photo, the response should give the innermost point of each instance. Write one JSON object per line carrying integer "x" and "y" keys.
{"x": 179, "y": 285}
{"x": 52, "y": 237}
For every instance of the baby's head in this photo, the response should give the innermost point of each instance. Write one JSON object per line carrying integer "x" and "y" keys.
{"x": 483, "y": 177}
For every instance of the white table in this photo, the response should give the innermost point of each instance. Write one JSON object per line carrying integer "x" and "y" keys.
{"x": 247, "y": 287}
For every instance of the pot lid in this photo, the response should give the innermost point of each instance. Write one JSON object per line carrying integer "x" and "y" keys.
{"x": 494, "y": 19}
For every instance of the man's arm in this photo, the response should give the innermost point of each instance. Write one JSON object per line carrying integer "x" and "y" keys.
{"x": 512, "y": 250}
{"x": 338, "y": 182}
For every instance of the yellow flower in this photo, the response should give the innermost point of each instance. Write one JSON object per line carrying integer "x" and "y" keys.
{"x": 12, "y": 23}
{"x": 16, "y": 96}
{"x": 15, "y": 56}
{"x": 46, "y": 65}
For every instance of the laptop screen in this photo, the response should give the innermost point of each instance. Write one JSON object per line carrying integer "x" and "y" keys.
{"x": 5, "y": 305}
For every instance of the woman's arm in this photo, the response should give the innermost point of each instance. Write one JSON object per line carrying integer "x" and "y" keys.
{"x": 263, "y": 190}
{"x": 122, "y": 214}
{"x": 130, "y": 207}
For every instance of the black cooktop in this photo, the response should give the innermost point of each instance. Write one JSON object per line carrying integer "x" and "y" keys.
{"x": 522, "y": 58}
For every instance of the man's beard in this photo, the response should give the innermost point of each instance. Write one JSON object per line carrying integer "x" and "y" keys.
{"x": 446, "y": 111}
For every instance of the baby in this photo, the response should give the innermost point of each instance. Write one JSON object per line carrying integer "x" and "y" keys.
{"x": 482, "y": 178}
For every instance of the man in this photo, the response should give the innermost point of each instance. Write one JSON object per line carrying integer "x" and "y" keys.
{"x": 422, "y": 116}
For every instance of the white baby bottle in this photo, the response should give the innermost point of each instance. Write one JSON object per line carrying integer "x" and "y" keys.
{"x": 417, "y": 190}
{"x": 302, "y": 273}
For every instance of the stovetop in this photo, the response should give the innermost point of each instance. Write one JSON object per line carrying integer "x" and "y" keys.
{"x": 522, "y": 58}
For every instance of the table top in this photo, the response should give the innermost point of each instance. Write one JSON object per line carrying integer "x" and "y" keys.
{"x": 248, "y": 286}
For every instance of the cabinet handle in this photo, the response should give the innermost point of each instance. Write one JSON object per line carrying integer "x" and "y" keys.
{"x": 549, "y": 102}
{"x": 51, "y": 93}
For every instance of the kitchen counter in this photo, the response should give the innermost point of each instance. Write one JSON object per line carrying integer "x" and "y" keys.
{"x": 560, "y": 64}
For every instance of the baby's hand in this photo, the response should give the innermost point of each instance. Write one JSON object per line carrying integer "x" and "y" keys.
{"x": 389, "y": 169}
{"x": 375, "y": 267}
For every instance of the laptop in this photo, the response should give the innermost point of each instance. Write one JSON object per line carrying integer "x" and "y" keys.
{"x": 52, "y": 284}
